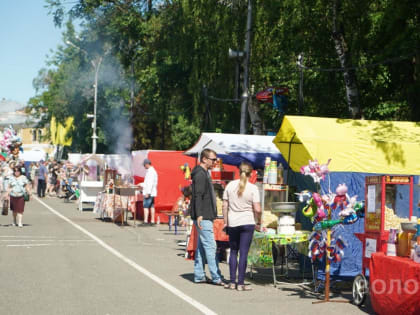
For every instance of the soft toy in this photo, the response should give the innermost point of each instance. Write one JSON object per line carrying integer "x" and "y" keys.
{"x": 358, "y": 211}
{"x": 349, "y": 208}
{"x": 326, "y": 224}
{"x": 187, "y": 171}
{"x": 336, "y": 251}
{"x": 11, "y": 143}
{"x": 323, "y": 169}
{"x": 317, "y": 245}
{"x": 316, "y": 171}
{"x": 310, "y": 209}
{"x": 328, "y": 200}
{"x": 340, "y": 199}
{"x": 311, "y": 170}
{"x": 305, "y": 170}
{"x": 304, "y": 196}
{"x": 359, "y": 207}
{"x": 320, "y": 213}
{"x": 314, "y": 205}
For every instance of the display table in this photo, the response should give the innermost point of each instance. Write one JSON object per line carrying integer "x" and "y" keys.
{"x": 260, "y": 254}
{"x": 113, "y": 206}
{"x": 219, "y": 235}
{"x": 394, "y": 285}
{"x": 88, "y": 192}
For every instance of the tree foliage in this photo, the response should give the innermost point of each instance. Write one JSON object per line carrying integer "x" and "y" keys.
{"x": 159, "y": 55}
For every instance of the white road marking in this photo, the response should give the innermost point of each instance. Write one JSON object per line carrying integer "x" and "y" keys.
{"x": 23, "y": 240}
{"x": 202, "y": 308}
{"x": 21, "y": 236}
{"x": 27, "y": 245}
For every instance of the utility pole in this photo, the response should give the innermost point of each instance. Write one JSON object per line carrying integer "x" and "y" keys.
{"x": 300, "y": 97}
{"x": 96, "y": 64}
{"x": 132, "y": 87}
{"x": 247, "y": 50}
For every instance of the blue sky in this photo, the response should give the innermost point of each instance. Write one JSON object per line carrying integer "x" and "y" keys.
{"x": 27, "y": 34}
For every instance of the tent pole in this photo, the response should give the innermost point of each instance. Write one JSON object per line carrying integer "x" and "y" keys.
{"x": 288, "y": 158}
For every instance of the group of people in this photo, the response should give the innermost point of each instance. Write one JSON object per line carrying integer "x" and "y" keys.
{"x": 241, "y": 208}
{"x": 46, "y": 178}
{"x": 241, "y": 213}
{"x": 52, "y": 178}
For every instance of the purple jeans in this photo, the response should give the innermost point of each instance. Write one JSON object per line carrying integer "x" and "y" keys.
{"x": 240, "y": 238}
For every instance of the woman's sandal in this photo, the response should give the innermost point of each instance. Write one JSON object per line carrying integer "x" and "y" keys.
{"x": 230, "y": 286}
{"x": 243, "y": 287}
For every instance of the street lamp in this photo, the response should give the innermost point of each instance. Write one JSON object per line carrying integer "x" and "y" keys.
{"x": 96, "y": 65}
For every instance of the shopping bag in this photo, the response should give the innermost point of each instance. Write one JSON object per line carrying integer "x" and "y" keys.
{"x": 5, "y": 210}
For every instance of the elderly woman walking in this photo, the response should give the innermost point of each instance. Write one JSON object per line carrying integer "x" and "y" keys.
{"x": 18, "y": 186}
{"x": 242, "y": 215}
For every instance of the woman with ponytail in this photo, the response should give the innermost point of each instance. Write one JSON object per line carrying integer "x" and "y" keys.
{"x": 242, "y": 214}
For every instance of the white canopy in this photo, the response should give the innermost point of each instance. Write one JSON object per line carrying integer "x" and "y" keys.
{"x": 225, "y": 143}
{"x": 234, "y": 148}
{"x": 32, "y": 155}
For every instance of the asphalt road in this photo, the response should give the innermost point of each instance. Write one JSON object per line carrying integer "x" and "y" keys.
{"x": 67, "y": 262}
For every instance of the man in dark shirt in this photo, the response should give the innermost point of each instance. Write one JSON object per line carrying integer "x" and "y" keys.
{"x": 203, "y": 212}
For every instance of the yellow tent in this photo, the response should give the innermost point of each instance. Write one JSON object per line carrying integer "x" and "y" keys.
{"x": 59, "y": 132}
{"x": 366, "y": 146}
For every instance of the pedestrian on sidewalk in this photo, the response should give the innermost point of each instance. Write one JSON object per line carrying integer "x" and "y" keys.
{"x": 203, "y": 212}
{"x": 242, "y": 215}
{"x": 18, "y": 185}
{"x": 149, "y": 191}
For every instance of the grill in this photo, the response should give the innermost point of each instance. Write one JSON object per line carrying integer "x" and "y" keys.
{"x": 125, "y": 191}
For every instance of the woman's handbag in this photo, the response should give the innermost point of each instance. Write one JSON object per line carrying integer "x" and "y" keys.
{"x": 26, "y": 196}
{"x": 5, "y": 210}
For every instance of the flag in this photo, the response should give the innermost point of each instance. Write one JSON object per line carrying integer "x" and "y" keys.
{"x": 59, "y": 132}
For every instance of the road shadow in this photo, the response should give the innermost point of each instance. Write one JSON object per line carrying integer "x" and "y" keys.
{"x": 340, "y": 292}
{"x": 15, "y": 226}
{"x": 188, "y": 276}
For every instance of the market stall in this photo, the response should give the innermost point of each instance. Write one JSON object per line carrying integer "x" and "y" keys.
{"x": 235, "y": 148}
{"x": 357, "y": 149}
{"x": 232, "y": 149}
{"x": 91, "y": 181}
{"x": 170, "y": 178}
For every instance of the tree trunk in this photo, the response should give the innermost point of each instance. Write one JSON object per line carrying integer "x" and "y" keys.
{"x": 256, "y": 121}
{"x": 350, "y": 80}
{"x": 245, "y": 91}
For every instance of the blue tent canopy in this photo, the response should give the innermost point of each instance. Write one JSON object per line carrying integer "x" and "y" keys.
{"x": 235, "y": 148}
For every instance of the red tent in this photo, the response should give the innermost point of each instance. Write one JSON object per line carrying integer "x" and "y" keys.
{"x": 171, "y": 178}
